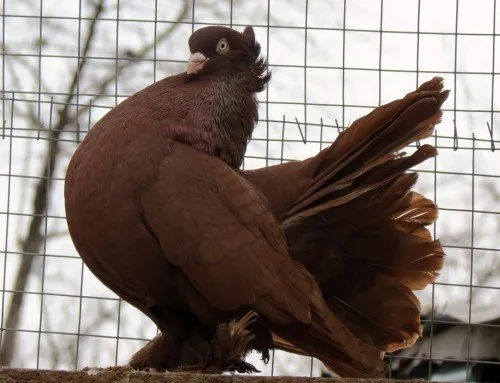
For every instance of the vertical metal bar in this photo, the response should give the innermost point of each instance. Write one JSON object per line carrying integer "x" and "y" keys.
{"x": 343, "y": 63}
{"x": 79, "y": 43}
{"x": 305, "y": 107}
{"x": 7, "y": 216}
{"x": 231, "y": 13}
{"x": 305, "y": 72}
{"x": 282, "y": 140}
{"x": 455, "y": 68}
{"x": 321, "y": 128}
{"x": 116, "y": 103}
{"x": 431, "y": 335}
{"x": 80, "y": 303}
{"x": 117, "y": 49}
{"x": 9, "y": 179}
{"x": 40, "y": 36}
{"x": 491, "y": 127}
{"x": 267, "y": 88}
{"x": 468, "y": 364}
{"x": 192, "y": 15}
{"x": 45, "y": 229}
{"x": 4, "y": 56}
{"x": 273, "y": 356}
{"x": 155, "y": 36}
{"x": 417, "y": 79}
{"x": 419, "y": 7}
{"x": 311, "y": 367}
{"x": 381, "y": 34}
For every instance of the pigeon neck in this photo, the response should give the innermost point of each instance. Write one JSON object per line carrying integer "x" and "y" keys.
{"x": 222, "y": 113}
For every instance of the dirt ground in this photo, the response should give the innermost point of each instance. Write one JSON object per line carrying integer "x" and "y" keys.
{"x": 127, "y": 375}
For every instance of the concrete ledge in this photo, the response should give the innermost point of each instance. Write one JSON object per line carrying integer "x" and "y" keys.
{"x": 126, "y": 375}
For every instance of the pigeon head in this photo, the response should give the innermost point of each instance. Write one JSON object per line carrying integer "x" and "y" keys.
{"x": 220, "y": 51}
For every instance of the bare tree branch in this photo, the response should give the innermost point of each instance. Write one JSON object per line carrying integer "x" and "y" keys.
{"x": 34, "y": 239}
{"x": 126, "y": 64}
{"x": 57, "y": 234}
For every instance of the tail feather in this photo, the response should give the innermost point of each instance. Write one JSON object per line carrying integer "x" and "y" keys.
{"x": 374, "y": 139}
{"x": 348, "y": 189}
{"x": 332, "y": 342}
{"x": 387, "y": 313}
{"x": 359, "y": 215}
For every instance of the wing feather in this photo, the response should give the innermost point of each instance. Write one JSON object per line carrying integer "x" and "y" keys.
{"x": 213, "y": 225}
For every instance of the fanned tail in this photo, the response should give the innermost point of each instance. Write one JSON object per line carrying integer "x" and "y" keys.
{"x": 372, "y": 141}
{"x": 360, "y": 230}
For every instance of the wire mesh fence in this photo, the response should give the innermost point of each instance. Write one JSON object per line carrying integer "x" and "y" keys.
{"x": 65, "y": 64}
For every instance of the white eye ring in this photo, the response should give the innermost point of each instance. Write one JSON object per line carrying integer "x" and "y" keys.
{"x": 222, "y": 46}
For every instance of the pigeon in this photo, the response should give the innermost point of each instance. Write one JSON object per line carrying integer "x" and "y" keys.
{"x": 316, "y": 257}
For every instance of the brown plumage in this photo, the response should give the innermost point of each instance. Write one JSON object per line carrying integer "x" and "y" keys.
{"x": 326, "y": 251}
{"x": 229, "y": 344}
{"x": 350, "y": 210}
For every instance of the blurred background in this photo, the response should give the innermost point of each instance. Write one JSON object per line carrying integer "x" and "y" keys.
{"x": 64, "y": 64}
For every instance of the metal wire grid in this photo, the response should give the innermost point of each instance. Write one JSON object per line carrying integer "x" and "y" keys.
{"x": 271, "y": 144}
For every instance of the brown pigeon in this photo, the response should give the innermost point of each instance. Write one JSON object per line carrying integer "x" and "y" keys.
{"x": 325, "y": 251}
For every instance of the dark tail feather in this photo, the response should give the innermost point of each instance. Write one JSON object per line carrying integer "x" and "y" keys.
{"x": 330, "y": 341}
{"x": 360, "y": 217}
{"x": 373, "y": 140}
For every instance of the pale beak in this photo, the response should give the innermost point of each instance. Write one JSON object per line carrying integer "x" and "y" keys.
{"x": 196, "y": 62}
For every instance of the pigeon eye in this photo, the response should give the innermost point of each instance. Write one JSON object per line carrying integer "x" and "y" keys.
{"x": 222, "y": 47}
